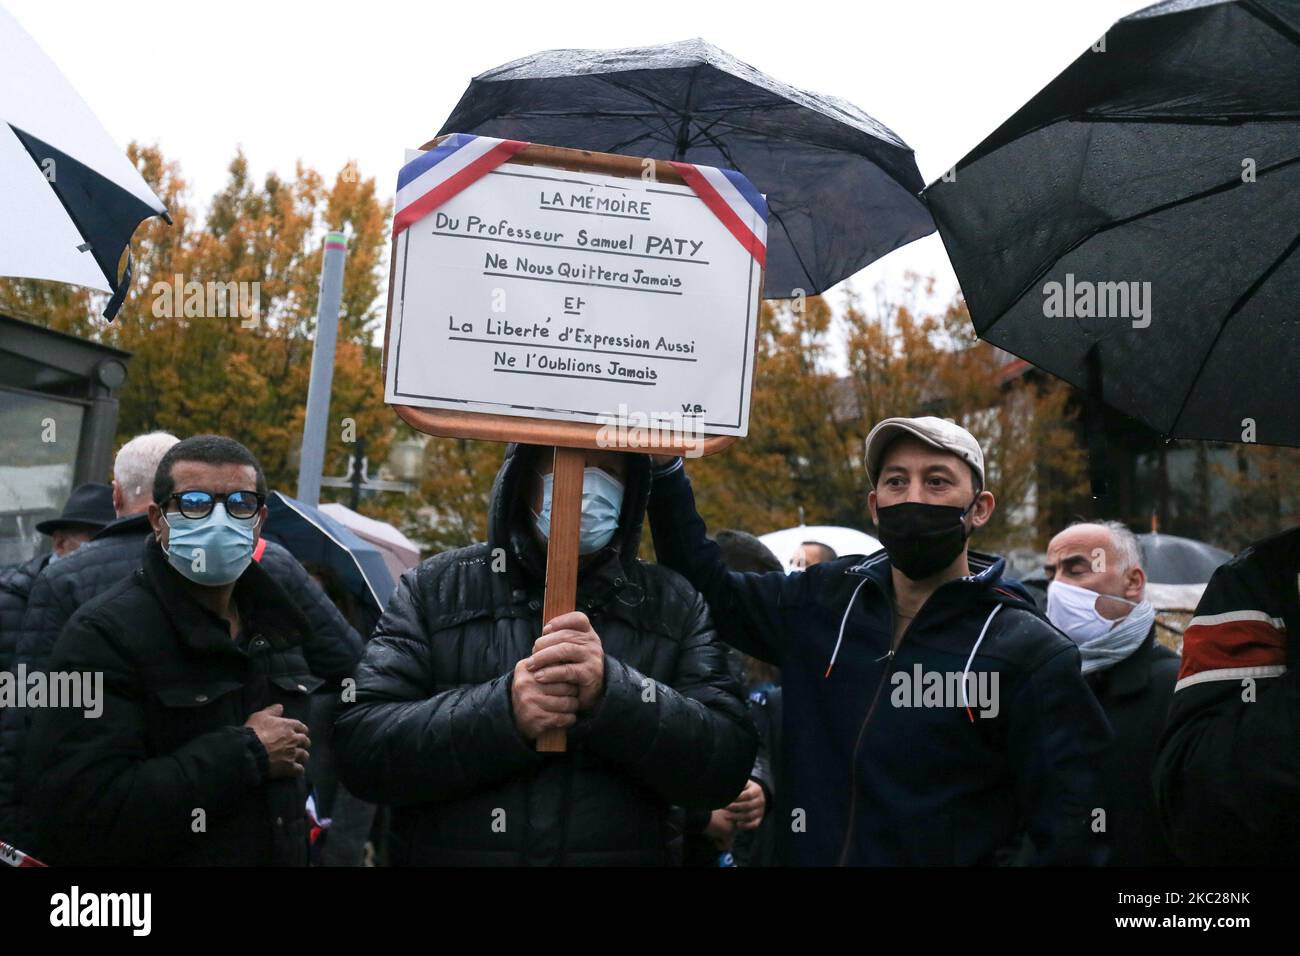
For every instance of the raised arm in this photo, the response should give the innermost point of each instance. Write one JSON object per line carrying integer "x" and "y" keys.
{"x": 748, "y": 607}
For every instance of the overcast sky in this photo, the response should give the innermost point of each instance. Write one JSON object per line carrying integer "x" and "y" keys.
{"x": 330, "y": 81}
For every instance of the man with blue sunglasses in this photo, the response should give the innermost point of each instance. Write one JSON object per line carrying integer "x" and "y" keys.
{"x": 199, "y": 754}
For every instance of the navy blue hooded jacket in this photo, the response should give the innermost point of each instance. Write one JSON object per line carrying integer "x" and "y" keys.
{"x": 883, "y": 764}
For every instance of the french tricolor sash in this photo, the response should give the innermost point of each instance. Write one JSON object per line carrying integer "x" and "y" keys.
{"x": 432, "y": 178}
{"x": 429, "y": 180}
{"x": 732, "y": 198}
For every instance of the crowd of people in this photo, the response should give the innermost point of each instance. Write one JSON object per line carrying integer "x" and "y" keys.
{"x": 915, "y": 706}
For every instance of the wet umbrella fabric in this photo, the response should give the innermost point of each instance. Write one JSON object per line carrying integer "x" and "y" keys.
{"x": 1169, "y": 559}
{"x": 842, "y": 188}
{"x": 1133, "y": 228}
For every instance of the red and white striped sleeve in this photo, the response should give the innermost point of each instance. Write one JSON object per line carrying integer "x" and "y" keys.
{"x": 1232, "y": 645}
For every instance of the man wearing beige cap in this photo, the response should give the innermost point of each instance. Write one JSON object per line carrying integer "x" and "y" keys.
{"x": 932, "y": 717}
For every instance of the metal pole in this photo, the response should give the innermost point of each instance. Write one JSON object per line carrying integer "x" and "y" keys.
{"x": 312, "y": 462}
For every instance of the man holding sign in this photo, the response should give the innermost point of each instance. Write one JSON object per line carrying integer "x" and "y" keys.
{"x": 462, "y": 676}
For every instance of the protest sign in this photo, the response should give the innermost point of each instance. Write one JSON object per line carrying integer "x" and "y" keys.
{"x": 575, "y": 299}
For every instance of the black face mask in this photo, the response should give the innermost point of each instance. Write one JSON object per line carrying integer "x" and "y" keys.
{"x": 922, "y": 539}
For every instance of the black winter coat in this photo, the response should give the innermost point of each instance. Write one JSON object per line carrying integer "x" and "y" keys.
{"x": 1135, "y": 695}
{"x": 867, "y": 776}
{"x": 432, "y": 732}
{"x": 1228, "y": 773}
{"x": 15, "y": 588}
{"x": 332, "y": 646}
{"x": 169, "y": 749}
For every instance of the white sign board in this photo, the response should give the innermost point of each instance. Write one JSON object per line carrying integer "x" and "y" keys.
{"x": 575, "y": 296}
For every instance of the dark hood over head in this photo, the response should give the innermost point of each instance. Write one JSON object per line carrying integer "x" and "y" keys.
{"x": 510, "y": 522}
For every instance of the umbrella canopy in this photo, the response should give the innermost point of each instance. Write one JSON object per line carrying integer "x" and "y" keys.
{"x": 1169, "y": 559}
{"x": 313, "y": 537}
{"x": 841, "y": 188}
{"x": 69, "y": 198}
{"x": 844, "y": 541}
{"x": 1132, "y": 229}
{"x": 400, "y": 553}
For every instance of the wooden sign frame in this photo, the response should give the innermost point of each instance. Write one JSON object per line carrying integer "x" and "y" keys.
{"x": 570, "y": 439}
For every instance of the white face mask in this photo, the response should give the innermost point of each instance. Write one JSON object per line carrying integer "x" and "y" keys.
{"x": 1074, "y": 610}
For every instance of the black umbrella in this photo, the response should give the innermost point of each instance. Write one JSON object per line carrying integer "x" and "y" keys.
{"x": 1133, "y": 228}
{"x": 328, "y": 547}
{"x": 1169, "y": 559}
{"x": 842, "y": 189}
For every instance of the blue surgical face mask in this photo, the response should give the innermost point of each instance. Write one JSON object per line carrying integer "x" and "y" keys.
{"x": 211, "y": 551}
{"x": 602, "y": 503}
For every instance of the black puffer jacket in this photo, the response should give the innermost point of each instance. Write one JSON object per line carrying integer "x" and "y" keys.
{"x": 332, "y": 647}
{"x": 15, "y": 588}
{"x": 432, "y": 730}
{"x": 127, "y": 786}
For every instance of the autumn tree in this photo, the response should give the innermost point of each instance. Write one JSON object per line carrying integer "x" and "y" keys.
{"x": 194, "y": 371}
{"x": 1264, "y": 494}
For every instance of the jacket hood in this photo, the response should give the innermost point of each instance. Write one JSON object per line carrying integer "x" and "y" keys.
{"x": 510, "y": 523}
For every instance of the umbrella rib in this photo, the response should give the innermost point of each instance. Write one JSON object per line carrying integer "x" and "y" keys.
{"x": 1107, "y": 227}
{"x": 626, "y": 143}
{"x": 653, "y": 101}
{"x": 703, "y": 132}
{"x": 681, "y": 142}
{"x": 650, "y": 132}
{"x": 724, "y": 111}
{"x": 1272, "y": 20}
{"x": 665, "y": 111}
{"x": 772, "y": 213}
{"x": 1236, "y": 307}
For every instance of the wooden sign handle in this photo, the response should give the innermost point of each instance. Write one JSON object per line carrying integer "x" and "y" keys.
{"x": 562, "y": 554}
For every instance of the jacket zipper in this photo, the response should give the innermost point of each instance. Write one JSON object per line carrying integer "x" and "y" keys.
{"x": 857, "y": 747}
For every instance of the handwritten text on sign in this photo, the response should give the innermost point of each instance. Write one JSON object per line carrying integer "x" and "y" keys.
{"x": 575, "y": 296}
